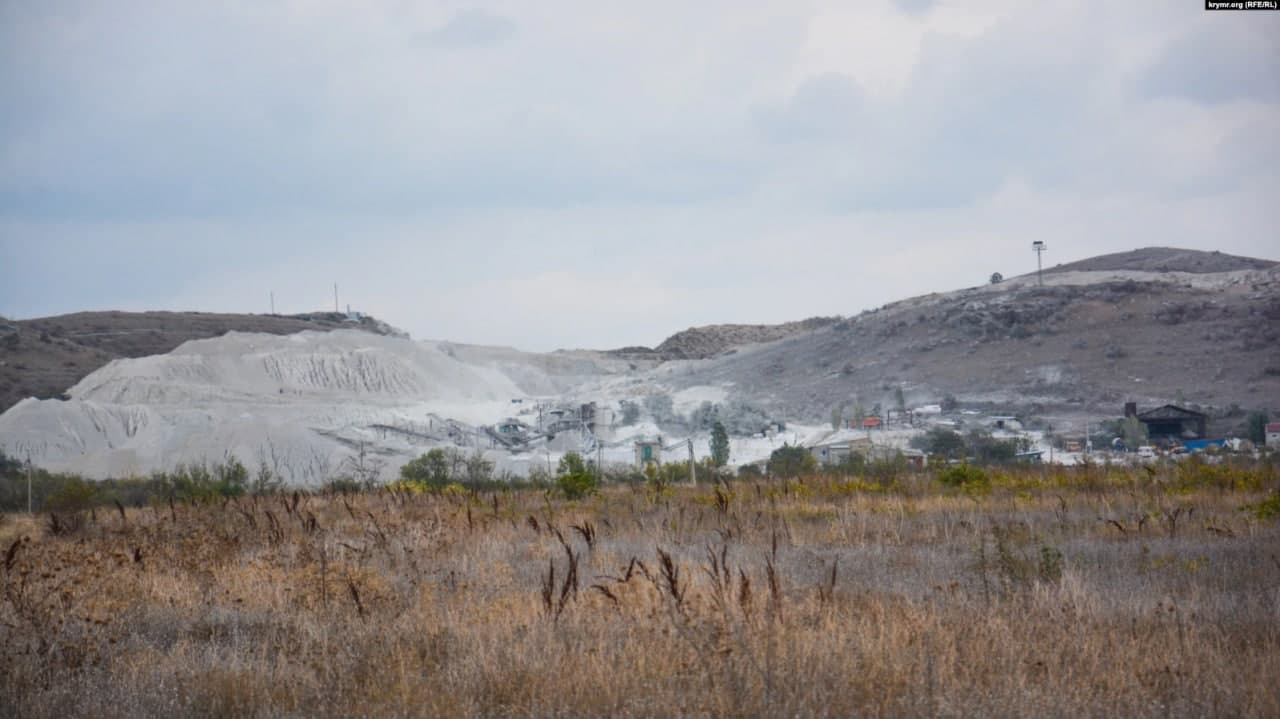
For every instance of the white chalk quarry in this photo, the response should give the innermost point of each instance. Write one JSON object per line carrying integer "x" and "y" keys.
{"x": 304, "y": 404}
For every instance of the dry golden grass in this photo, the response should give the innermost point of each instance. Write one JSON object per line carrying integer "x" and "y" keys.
{"x": 1079, "y": 596}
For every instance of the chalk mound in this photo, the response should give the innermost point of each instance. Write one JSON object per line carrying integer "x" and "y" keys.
{"x": 299, "y": 403}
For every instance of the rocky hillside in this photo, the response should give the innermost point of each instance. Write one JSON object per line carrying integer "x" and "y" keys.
{"x": 1085, "y": 342}
{"x": 44, "y": 357}
{"x": 711, "y": 340}
{"x": 1166, "y": 259}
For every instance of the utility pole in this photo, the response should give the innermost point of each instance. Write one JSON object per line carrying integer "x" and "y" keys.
{"x": 1038, "y": 247}
{"x": 273, "y": 302}
{"x": 693, "y": 477}
{"x": 28, "y": 483}
{"x": 335, "y": 297}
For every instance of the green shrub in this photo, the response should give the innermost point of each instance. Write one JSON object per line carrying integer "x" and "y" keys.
{"x": 577, "y": 485}
{"x": 1016, "y": 566}
{"x": 1268, "y": 508}
{"x": 431, "y": 469}
{"x": 574, "y": 478}
{"x": 788, "y": 461}
{"x": 960, "y": 475}
{"x": 72, "y": 494}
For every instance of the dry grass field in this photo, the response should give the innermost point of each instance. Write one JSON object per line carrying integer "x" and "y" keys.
{"x": 1049, "y": 593}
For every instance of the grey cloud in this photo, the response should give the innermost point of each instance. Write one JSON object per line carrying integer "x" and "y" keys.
{"x": 977, "y": 113}
{"x": 915, "y": 7}
{"x": 468, "y": 29}
{"x": 1216, "y": 64}
{"x": 825, "y": 107}
{"x": 596, "y": 139}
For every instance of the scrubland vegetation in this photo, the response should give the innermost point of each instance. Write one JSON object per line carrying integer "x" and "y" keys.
{"x": 985, "y": 592}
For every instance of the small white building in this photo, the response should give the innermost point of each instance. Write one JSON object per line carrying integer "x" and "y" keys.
{"x": 1273, "y": 435}
{"x": 835, "y": 447}
{"x": 648, "y": 450}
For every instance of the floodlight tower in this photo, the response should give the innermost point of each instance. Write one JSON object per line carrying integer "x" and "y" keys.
{"x": 1038, "y": 248}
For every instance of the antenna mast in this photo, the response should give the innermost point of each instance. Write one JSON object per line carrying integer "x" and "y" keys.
{"x": 1038, "y": 248}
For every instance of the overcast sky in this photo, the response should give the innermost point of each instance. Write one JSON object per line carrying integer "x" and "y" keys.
{"x": 597, "y": 174}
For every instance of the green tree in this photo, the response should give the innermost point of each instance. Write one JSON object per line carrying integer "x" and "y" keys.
{"x": 1134, "y": 432}
{"x": 986, "y": 448}
{"x": 571, "y": 463}
{"x": 478, "y": 469}
{"x": 719, "y": 445}
{"x": 788, "y": 461}
{"x": 9, "y": 465}
{"x": 941, "y": 440}
{"x": 1257, "y": 423}
{"x": 232, "y": 477}
{"x": 431, "y": 468}
{"x": 573, "y": 477}
{"x": 962, "y": 474}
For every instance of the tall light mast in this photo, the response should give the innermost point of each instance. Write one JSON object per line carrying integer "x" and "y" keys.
{"x": 1038, "y": 247}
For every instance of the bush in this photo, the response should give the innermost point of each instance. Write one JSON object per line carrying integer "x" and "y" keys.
{"x": 1018, "y": 563}
{"x": 940, "y": 441}
{"x": 960, "y": 475}
{"x": 73, "y": 494}
{"x": 987, "y": 449}
{"x": 1268, "y": 508}
{"x": 436, "y": 468}
{"x": 577, "y": 485}
{"x": 574, "y": 479}
{"x": 788, "y": 462}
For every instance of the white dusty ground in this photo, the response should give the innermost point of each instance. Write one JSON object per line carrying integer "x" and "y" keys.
{"x": 305, "y": 404}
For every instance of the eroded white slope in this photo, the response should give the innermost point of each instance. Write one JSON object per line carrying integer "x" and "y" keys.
{"x": 300, "y": 404}
{"x": 313, "y": 365}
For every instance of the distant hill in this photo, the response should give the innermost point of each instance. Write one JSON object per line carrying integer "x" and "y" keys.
{"x": 1165, "y": 259}
{"x": 1099, "y": 332}
{"x": 44, "y": 357}
{"x": 1153, "y": 325}
{"x": 1061, "y": 353}
{"x": 711, "y": 340}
